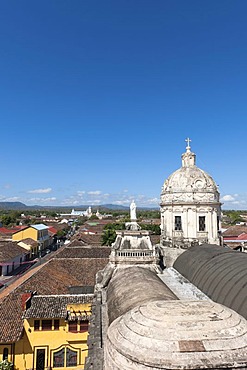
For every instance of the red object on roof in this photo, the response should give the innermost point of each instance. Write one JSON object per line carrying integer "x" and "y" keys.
{"x": 13, "y": 230}
{"x": 4, "y": 230}
{"x": 24, "y": 298}
{"x": 242, "y": 236}
{"x": 52, "y": 229}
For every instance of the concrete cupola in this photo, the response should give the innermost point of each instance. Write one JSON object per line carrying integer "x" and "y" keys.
{"x": 188, "y": 158}
{"x": 190, "y": 206}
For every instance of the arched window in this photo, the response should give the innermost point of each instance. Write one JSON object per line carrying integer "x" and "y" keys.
{"x": 5, "y": 353}
{"x": 58, "y": 358}
{"x": 65, "y": 353}
{"x": 71, "y": 358}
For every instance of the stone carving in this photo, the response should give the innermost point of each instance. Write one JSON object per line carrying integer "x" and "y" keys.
{"x": 133, "y": 211}
{"x": 195, "y": 196}
{"x": 132, "y": 226}
{"x": 189, "y": 187}
{"x": 189, "y": 179}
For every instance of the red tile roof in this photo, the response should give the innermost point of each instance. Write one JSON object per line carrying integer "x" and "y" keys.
{"x": 11, "y": 231}
{"x": 57, "y": 276}
{"x": 76, "y": 243}
{"x": 10, "y": 250}
{"x": 50, "y": 306}
{"x": 242, "y": 236}
{"x": 52, "y": 229}
{"x": 235, "y": 230}
{"x": 85, "y": 252}
{"x": 90, "y": 239}
{"x": 29, "y": 241}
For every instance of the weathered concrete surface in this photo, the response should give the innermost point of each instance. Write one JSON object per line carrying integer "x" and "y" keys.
{"x": 188, "y": 194}
{"x": 177, "y": 335}
{"x": 132, "y": 286}
{"x": 218, "y": 272}
{"x": 180, "y": 286}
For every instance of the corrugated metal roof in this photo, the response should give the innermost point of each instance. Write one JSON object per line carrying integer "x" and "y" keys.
{"x": 218, "y": 272}
{"x": 40, "y": 227}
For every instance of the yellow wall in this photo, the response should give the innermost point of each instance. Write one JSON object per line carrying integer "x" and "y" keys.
{"x": 32, "y": 249}
{"x": 51, "y": 341}
{"x": 30, "y": 232}
{"x": 10, "y": 351}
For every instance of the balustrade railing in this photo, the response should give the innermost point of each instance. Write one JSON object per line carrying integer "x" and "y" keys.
{"x": 125, "y": 253}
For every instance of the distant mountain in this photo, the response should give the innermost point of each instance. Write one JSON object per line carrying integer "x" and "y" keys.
{"x": 111, "y": 207}
{"x": 18, "y": 206}
{"x": 122, "y": 208}
{"x": 13, "y": 205}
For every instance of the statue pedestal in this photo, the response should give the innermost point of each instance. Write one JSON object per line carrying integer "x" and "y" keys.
{"x": 133, "y": 225}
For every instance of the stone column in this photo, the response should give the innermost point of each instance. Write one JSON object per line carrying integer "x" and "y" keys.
{"x": 185, "y": 216}
{"x": 209, "y": 221}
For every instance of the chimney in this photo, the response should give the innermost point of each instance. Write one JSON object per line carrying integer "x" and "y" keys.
{"x": 26, "y": 300}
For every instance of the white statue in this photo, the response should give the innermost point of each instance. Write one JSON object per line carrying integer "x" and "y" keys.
{"x": 133, "y": 211}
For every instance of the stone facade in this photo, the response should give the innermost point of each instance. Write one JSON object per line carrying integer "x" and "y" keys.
{"x": 134, "y": 247}
{"x": 190, "y": 209}
{"x": 142, "y": 319}
{"x": 139, "y": 322}
{"x": 206, "y": 335}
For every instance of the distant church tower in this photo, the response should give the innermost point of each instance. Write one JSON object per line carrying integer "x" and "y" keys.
{"x": 190, "y": 209}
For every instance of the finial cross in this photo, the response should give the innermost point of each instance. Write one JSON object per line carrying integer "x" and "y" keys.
{"x": 188, "y": 142}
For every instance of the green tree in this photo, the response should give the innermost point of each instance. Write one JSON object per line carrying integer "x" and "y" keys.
{"x": 108, "y": 237}
{"x": 6, "y": 365}
{"x": 62, "y": 233}
{"x": 6, "y": 220}
{"x": 109, "y": 233}
{"x": 155, "y": 229}
{"x": 234, "y": 216}
{"x": 93, "y": 217}
{"x": 81, "y": 220}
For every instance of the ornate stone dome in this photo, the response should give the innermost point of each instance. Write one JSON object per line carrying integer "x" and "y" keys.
{"x": 189, "y": 183}
{"x": 177, "y": 335}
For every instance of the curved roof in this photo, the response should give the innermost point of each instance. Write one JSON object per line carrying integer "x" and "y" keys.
{"x": 218, "y": 272}
{"x": 189, "y": 183}
{"x": 190, "y": 179}
{"x": 132, "y": 286}
{"x": 177, "y": 335}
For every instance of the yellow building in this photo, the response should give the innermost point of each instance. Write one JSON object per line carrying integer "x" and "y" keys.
{"x": 55, "y": 330}
{"x": 39, "y": 233}
{"x": 48, "y": 329}
{"x": 30, "y": 245}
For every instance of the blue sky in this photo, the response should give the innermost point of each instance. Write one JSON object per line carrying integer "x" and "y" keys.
{"x": 97, "y": 98}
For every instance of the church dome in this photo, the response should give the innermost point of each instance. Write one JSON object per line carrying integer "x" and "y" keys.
{"x": 177, "y": 335}
{"x": 189, "y": 183}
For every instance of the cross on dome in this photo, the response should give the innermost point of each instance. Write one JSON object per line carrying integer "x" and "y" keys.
{"x": 188, "y": 140}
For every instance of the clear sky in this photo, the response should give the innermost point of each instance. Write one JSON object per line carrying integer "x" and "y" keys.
{"x": 97, "y": 98}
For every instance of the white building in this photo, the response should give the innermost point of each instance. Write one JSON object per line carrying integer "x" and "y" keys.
{"x": 190, "y": 209}
{"x": 88, "y": 213}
